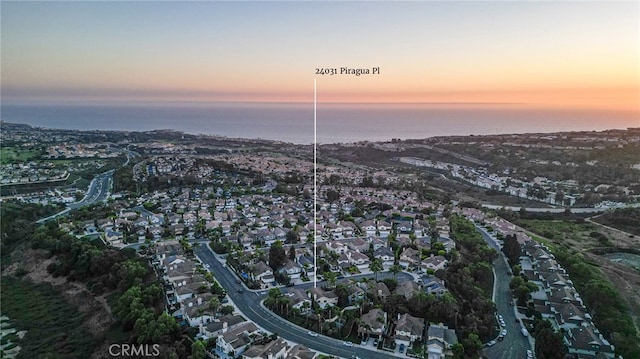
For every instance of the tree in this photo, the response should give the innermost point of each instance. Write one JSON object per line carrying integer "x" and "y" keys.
{"x": 331, "y": 278}
{"x": 458, "y": 351}
{"x": 522, "y": 289}
{"x": 549, "y": 343}
{"x": 376, "y": 266}
{"x": 226, "y": 310}
{"x": 472, "y": 345}
{"x": 198, "y": 350}
{"x": 512, "y": 249}
{"x": 292, "y": 253}
{"x": 214, "y": 304}
{"x": 332, "y": 195}
{"x": 292, "y": 237}
{"x": 395, "y": 269}
{"x": 277, "y": 256}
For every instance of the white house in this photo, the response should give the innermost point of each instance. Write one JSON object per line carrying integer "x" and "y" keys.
{"x": 235, "y": 340}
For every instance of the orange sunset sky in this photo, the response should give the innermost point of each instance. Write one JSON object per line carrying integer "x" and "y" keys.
{"x": 538, "y": 54}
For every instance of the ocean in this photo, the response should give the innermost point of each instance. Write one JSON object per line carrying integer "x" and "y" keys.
{"x": 293, "y": 122}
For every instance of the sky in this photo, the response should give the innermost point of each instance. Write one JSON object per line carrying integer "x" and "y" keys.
{"x": 539, "y": 54}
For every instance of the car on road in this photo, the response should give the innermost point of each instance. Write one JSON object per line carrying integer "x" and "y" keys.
{"x": 238, "y": 281}
{"x": 313, "y": 334}
{"x": 239, "y": 291}
{"x": 347, "y": 344}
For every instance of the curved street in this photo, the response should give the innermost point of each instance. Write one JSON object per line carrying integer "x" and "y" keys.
{"x": 98, "y": 191}
{"x": 249, "y": 303}
{"x": 514, "y": 344}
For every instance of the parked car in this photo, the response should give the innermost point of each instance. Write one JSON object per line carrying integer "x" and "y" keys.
{"x": 529, "y": 354}
{"x": 347, "y": 344}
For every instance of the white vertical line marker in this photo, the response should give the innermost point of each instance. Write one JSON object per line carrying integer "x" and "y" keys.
{"x": 315, "y": 189}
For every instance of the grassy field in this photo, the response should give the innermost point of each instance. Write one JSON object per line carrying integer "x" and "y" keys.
{"x": 563, "y": 233}
{"x": 54, "y": 328}
{"x": 14, "y": 154}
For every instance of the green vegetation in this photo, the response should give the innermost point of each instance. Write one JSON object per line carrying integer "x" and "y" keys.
{"x": 54, "y": 328}
{"x": 627, "y": 219}
{"x": 17, "y": 225}
{"x": 549, "y": 343}
{"x": 17, "y": 154}
{"x": 135, "y": 295}
{"x": 569, "y": 232}
{"x": 603, "y": 301}
{"x": 570, "y": 239}
{"x": 470, "y": 280}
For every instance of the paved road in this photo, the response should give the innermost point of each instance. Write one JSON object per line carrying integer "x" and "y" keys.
{"x": 560, "y": 210}
{"x": 514, "y": 344}
{"x": 249, "y": 304}
{"x": 98, "y": 191}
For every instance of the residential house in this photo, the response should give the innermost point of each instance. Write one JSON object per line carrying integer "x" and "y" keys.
{"x": 378, "y": 290}
{"x": 359, "y": 245}
{"x": 385, "y": 254}
{"x": 440, "y": 339}
{"x": 407, "y": 289}
{"x": 356, "y": 294}
{"x": 409, "y": 257}
{"x": 301, "y": 352}
{"x": 408, "y": 329}
{"x": 274, "y": 349}
{"x": 299, "y": 300}
{"x": 587, "y": 342}
{"x": 384, "y": 229}
{"x": 433, "y": 263}
{"x": 235, "y": 339}
{"x": 292, "y": 269}
{"x": 262, "y": 272}
{"x": 216, "y": 327}
{"x": 323, "y": 298}
{"x": 369, "y": 227}
{"x": 373, "y": 324}
{"x": 196, "y": 310}
{"x": 433, "y": 285}
{"x": 113, "y": 237}
{"x": 361, "y": 261}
